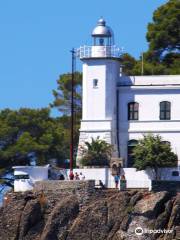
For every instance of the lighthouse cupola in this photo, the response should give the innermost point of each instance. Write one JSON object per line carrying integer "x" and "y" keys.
{"x": 103, "y": 45}
{"x": 102, "y": 34}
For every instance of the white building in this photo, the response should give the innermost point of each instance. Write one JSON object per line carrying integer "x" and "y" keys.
{"x": 120, "y": 109}
{"x": 26, "y": 176}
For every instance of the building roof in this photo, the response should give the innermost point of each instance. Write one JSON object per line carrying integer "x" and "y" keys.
{"x": 156, "y": 80}
{"x": 30, "y": 167}
{"x": 102, "y": 30}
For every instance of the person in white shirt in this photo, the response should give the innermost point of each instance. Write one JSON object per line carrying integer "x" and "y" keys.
{"x": 81, "y": 176}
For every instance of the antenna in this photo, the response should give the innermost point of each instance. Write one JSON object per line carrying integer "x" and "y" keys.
{"x": 72, "y": 117}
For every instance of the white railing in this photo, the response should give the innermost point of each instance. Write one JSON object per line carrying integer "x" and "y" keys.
{"x": 98, "y": 52}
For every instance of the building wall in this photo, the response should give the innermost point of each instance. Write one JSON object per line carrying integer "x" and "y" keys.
{"x": 90, "y": 94}
{"x": 135, "y": 179}
{"x": 99, "y": 104}
{"x": 100, "y": 111}
{"x": 81, "y": 189}
{"x": 149, "y": 98}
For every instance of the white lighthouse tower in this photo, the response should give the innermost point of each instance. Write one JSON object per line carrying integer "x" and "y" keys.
{"x": 101, "y": 67}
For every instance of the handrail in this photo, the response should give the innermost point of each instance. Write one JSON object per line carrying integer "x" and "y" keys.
{"x": 98, "y": 51}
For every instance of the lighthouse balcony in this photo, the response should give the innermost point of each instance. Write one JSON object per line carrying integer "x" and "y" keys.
{"x": 85, "y": 52}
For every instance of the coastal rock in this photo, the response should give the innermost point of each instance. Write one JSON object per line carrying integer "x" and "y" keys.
{"x": 10, "y": 216}
{"x": 60, "y": 219}
{"x": 31, "y": 220}
{"x": 152, "y": 204}
{"x": 107, "y": 215}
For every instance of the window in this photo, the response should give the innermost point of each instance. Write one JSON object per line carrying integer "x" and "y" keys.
{"x": 131, "y": 144}
{"x": 133, "y": 111}
{"x": 101, "y": 42}
{"x": 95, "y": 83}
{"x": 24, "y": 176}
{"x": 166, "y": 142}
{"x": 175, "y": 174}
{"x": 165, "y": 110}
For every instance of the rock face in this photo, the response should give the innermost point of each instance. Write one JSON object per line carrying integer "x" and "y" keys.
{"x": 107, "y": 215}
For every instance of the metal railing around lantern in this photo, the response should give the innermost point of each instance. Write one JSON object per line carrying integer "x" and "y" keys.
{"x": 98, "y": 52}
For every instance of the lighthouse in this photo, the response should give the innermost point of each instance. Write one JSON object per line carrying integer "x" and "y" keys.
{"x": 101, "y": 69}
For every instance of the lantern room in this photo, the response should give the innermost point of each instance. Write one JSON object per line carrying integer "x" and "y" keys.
{"x": 102, "y": 34}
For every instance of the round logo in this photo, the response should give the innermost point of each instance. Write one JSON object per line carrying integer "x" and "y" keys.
{"x": 138, "y": 231}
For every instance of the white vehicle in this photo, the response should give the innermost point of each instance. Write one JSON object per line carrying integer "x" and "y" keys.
{"x": 26, "y": 176}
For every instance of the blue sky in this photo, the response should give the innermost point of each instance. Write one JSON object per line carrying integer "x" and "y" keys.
{"x": 37, "y": 35}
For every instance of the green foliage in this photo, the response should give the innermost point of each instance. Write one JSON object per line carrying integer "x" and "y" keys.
{"x": 164, "y": 33}
{"x": 63, "y": 94}
{"x": 132, "y": 67}
{"x": 128, "y": 63}
{"x": 152, "y": 152}
{"x": 96, "y": 153}
{"x": 169, "y": 65}
{"x": 27, "y": 131}
{"x": 172, "y": 63}
{"x": 62, "y": 102}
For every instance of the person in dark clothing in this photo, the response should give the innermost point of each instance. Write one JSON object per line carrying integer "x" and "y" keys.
{"x": 61, "y": 177}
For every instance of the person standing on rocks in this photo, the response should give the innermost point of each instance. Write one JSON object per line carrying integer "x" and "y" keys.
{"x": 116, "y": 180}
{"x": 81, "y": 176}
{"x": 76, "y": 176}
{"x": 71, "y": 175}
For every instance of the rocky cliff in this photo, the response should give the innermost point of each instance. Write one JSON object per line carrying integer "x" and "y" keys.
{"x": 106, "y": 214}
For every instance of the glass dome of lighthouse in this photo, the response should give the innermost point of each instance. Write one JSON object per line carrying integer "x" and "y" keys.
{"x": 102, "y": 34}
{"x": 103, "y": 43}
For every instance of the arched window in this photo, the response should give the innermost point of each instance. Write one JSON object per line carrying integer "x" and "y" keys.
{"x": 166, "y": 142}
{"x": 165, "y": 110}
{"x": 131, "y": 144}
{"x": 133, "y": 111}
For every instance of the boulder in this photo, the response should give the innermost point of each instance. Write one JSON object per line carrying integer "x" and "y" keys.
{"x": 107, "y": 215}
{"x": 61, "y": 219}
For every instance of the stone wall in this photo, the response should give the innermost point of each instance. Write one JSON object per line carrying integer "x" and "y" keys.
{"x": 83, "y": 190}
{"x": 172, "y": 186}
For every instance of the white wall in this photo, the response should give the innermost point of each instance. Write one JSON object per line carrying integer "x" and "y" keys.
{"x": 135, "y": 179}
{"x": 149, "y": 99}
{"x": 102, "y": 174}
{"x": 92, "y": 96}
{"x": 100, "y": 109}
{"x": 99, "y": 103}
{"x": 22, "y": 185}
